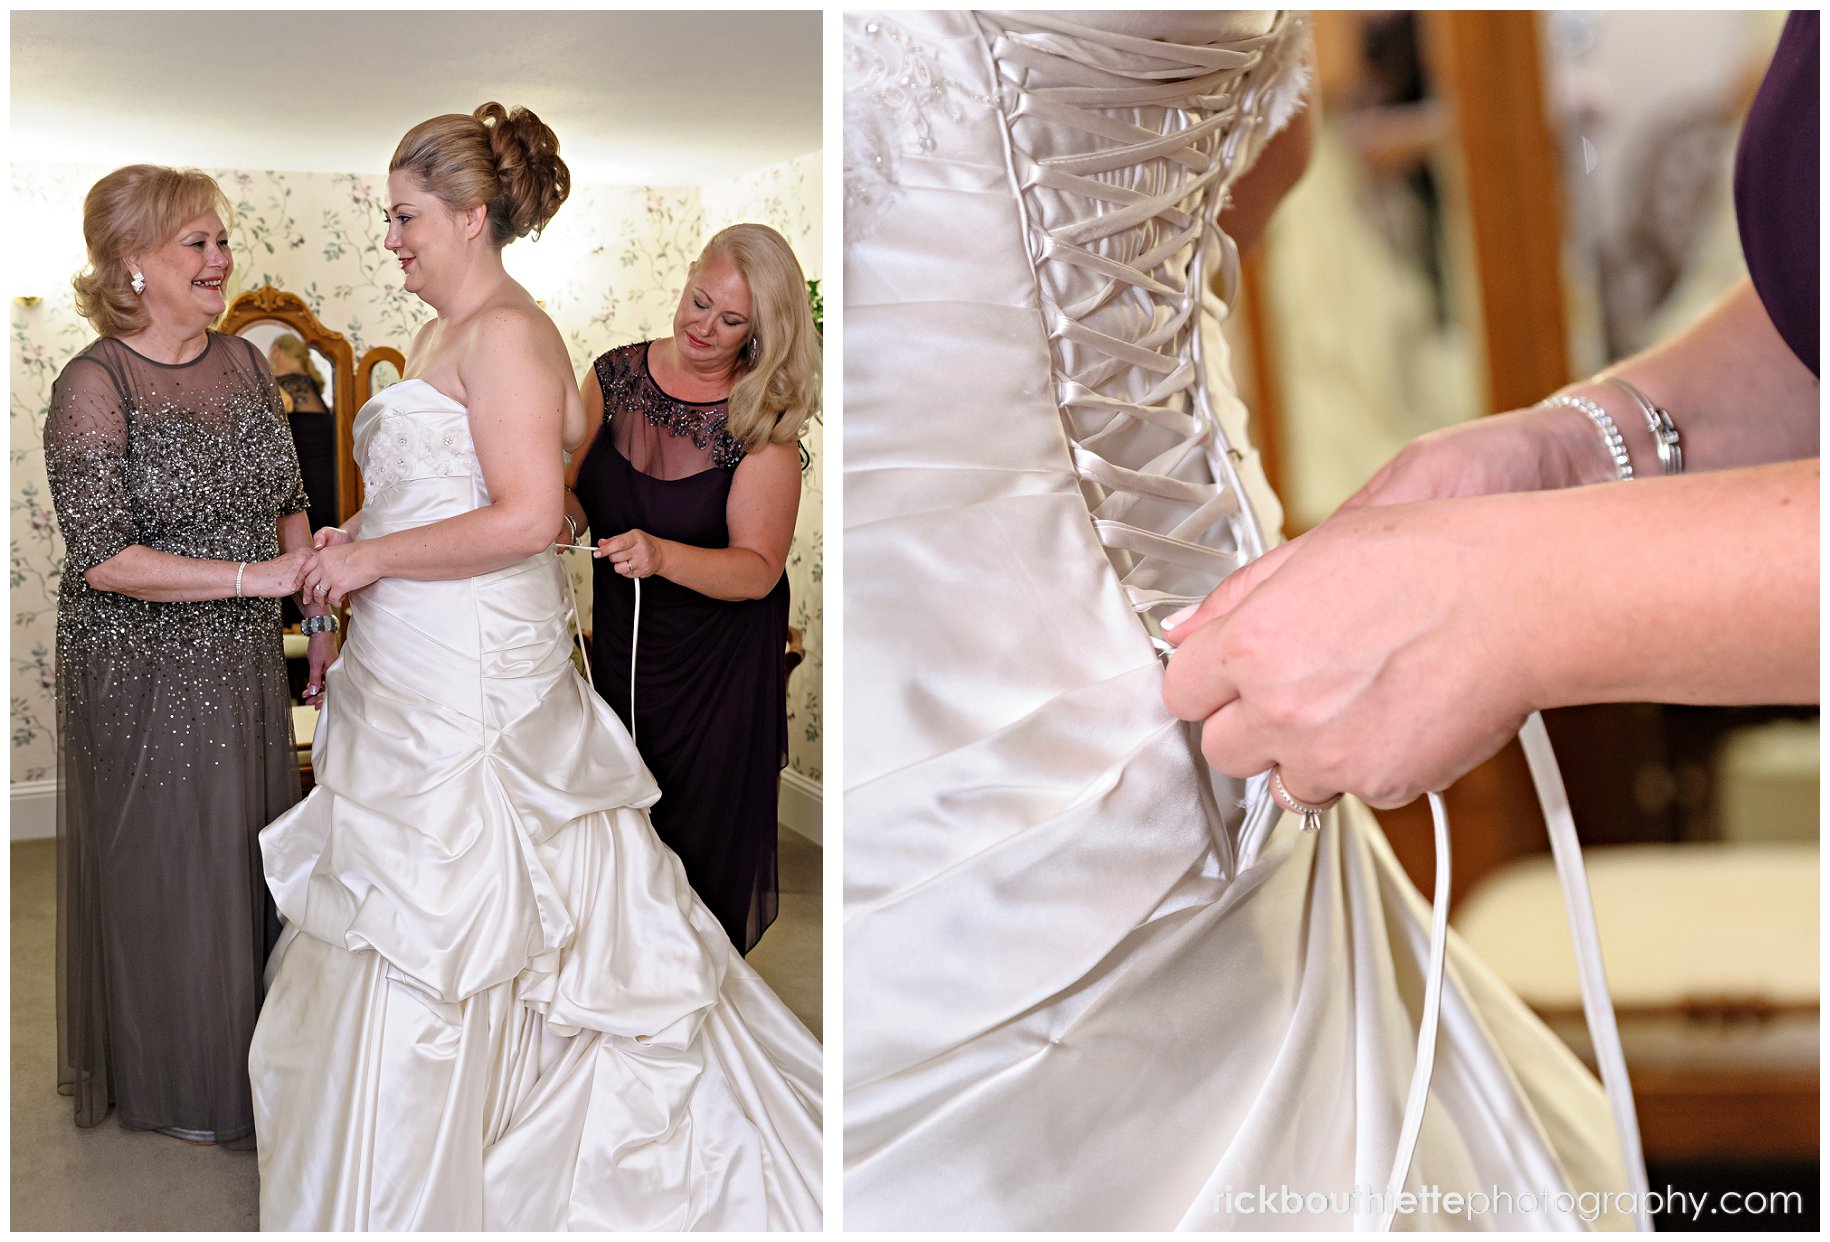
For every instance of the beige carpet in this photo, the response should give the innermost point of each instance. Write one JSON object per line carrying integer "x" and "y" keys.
{"x": 110, "y": 1178}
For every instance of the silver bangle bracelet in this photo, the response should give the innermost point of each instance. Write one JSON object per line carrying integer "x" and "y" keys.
{"x": 1658, "y": 422}
{"x": 1610, "y": 434}
{"x": 239, "y": 571}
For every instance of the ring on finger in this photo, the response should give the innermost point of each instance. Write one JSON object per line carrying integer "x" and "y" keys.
{"x": 1311, "y": 812}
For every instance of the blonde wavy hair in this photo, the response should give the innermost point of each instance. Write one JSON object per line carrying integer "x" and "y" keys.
{"x": 778, "y": 383}
{"x": 132, "y": 209}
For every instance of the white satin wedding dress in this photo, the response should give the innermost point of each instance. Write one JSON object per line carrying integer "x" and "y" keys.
{"x": 497, "y": 1004}
{"x": 1084, "y": 988}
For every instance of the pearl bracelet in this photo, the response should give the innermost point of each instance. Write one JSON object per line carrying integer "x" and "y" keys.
{"x": 1610, "y": 434}
{"x": 239, "y": 571}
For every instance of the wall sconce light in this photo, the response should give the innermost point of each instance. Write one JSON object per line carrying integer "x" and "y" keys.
{"x": 27, "y": 300}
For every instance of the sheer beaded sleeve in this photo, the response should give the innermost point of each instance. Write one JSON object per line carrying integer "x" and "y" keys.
{"x": 85, "y": 446}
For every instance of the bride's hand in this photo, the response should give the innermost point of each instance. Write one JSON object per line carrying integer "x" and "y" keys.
{"x": 633, "y": 554}
{"x": 1523, "y": 451}
{"x": 1377, "y": 655}
{"x": 334, "y": 572}
{"x": 329, "y": 536}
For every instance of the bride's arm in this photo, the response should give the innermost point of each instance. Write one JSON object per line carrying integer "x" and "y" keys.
{"x": 592, "y": 395}
{"x": 516, "y": 383}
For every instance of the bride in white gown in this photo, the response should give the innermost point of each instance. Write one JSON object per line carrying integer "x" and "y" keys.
{"x": 1084, "y": 988}
{"x": 497, "y": 1004}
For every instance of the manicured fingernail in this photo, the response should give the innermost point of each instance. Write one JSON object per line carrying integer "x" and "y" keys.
{"x": 1178, "y": 616}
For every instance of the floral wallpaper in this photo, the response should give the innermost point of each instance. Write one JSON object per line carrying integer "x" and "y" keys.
{"x": 609, "y": 271}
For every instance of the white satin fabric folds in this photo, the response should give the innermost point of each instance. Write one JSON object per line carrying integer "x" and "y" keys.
{"x": 1083, "y": 989}
{"x": 497, "y": 1004}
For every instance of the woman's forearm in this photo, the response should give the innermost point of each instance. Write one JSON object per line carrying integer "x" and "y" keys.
{"x": 145, "y": 573}
{"x": 479, "y": 542}
{"x": 1698, "y": 589}
{"x": 1736, "y": 391}
{"x": 294, "y": 531}
{"x": 722, "y": 573}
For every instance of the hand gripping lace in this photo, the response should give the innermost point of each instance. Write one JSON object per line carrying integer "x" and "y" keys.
{"x": 1122, "y": 151}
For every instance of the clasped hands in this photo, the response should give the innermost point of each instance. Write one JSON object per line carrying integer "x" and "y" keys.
{"x": 333, "y": 569}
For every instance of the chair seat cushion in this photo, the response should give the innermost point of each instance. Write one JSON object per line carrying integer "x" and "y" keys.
{"x": 1711, "y": 949}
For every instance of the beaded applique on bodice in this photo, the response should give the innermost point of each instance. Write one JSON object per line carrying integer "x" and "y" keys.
{"x": 413, "y": 431}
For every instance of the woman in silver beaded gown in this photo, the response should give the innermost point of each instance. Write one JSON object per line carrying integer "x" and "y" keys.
{"x": 178, "y": 497}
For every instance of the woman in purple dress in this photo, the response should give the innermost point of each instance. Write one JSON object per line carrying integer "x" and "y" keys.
{"x": 691, "y": 480}
{"x": 1503, "y": 584}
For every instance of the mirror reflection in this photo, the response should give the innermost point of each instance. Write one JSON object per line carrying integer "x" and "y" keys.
{"x": 1373, "y": 229}
{"x": 306, "y": 383}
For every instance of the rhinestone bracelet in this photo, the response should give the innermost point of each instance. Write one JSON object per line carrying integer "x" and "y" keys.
{"x": 1610, "y": 434}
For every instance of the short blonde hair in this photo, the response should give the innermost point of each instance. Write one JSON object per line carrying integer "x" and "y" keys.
{"x": 778, "y": 386}
{"x": 134, "y": 208}
{"x": 506, "y": 160}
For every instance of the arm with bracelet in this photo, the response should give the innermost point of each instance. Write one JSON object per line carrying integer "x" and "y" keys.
{"x": 1489, "y": 578}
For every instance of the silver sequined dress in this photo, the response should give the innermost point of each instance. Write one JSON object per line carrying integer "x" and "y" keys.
{"x": 175, "y": 735}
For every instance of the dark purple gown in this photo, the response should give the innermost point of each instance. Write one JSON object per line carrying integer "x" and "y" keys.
{"x": 711, "y": 714}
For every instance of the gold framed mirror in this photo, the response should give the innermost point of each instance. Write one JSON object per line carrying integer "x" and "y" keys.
{"x": 381, "y": 367}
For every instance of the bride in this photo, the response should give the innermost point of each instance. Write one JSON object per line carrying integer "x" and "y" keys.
{"x": 496, "y": 1003}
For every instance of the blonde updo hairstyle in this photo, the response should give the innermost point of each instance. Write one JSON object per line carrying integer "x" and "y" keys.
{"x": 778, "y": 387}
{"x": 506, "y": 160}
{"x": 130, "y": 210}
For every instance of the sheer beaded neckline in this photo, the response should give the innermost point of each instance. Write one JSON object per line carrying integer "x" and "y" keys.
{"x": 208, "y": 345}
{"x": 653, "y": 443}
{"x": 648, "y": 374}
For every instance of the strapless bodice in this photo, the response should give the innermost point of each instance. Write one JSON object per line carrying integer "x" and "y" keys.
{"x": 418, "y": 461}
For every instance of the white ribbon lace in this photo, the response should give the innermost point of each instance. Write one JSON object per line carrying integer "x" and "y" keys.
{"x": 1122, "y": 151}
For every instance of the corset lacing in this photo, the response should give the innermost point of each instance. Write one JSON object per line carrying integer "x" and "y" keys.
{"x": 1122, "y": 238}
